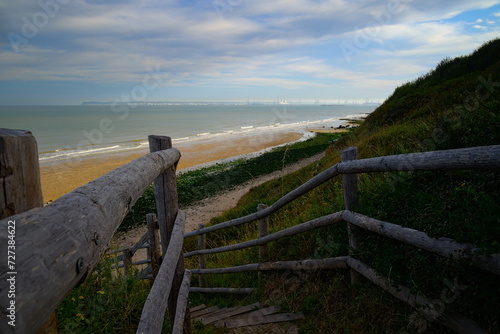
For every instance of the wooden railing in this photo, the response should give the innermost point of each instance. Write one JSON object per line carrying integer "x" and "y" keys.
{"x": 57, "y": 246}
{"x": 469, "y": 158}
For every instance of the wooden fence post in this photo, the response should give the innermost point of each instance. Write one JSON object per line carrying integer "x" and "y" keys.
{"x": 154, "y": 244}
{"x": 263, "y": 228}
{"x": 202, "y": 258}
{"x": 165, "y": 190}
{"x": 351, "y": 201}
{"x": 20, "y": 187}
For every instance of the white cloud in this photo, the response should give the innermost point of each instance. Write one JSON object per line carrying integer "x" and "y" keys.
{"x": 497, "y": 14}
{"x": 292, "y": 44}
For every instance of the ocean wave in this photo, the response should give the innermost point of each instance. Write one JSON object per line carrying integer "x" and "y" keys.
{"x": 139, "y": 144}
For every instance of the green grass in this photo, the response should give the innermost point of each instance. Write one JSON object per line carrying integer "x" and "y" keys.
{"x": 206, "y": 182}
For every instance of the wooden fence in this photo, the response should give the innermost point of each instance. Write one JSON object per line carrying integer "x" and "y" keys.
{"x": 469, "y": 158}
{"x": 58, "y": 245}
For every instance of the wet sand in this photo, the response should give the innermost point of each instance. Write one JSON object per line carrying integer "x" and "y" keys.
{"x": 60, "y": 178}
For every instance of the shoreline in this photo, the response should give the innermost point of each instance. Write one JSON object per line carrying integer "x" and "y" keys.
{"x": 58, "y": 179}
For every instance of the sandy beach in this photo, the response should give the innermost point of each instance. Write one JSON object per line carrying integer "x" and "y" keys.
{"x": 60, "y": 178}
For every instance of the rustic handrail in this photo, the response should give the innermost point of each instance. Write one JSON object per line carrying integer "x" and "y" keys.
{"x": 463, "y": 158}
{"x": 309, "y": 264}
{"x": 444, "y": 247}
{"x": 58, "y": 245}
{"x": 453, "y": 320}
{"x": 297, "y": 229}
{"x": 153, "y": 312}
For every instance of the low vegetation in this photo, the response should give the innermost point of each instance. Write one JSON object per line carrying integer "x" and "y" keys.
{"x": 455, "y": 105}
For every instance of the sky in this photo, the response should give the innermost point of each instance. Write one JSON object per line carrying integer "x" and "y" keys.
{"x": 57, "y": 52}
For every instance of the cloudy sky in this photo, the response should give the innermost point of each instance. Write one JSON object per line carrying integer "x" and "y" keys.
{"x": 70, "y": 51}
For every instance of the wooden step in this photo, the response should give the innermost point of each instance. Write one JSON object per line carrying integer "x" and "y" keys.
{"x": 204, "y": 311}
{"x": 241, "y": 316}
{"x": 273, "y": 318}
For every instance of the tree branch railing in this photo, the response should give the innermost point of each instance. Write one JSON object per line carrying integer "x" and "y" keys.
{"x": 464, "y": 158}
{"x": 486, "y": 157}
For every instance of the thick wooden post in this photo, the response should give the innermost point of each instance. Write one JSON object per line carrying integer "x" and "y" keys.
{"x": 351, "y": 201}
{"x": 165, "y": 190}
{"x": 154, "y": 244}
{"x": 20, "y": 187}
{"x": 202, "y": 258}
{"x": 263, "y": 229}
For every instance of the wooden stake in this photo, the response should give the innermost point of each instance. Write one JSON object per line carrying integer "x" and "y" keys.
{"x": 263, "y": 229}
{"x": 154, "y": 244}
{"x": 165, "y": 190}
{"x": 351, "y": 201}
{"x": 202, "y": 258}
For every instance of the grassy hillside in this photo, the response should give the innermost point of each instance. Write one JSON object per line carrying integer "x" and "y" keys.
{"x": 455, "y": 105}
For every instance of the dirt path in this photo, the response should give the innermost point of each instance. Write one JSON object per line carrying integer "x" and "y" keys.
{"x": 203, "y": 211}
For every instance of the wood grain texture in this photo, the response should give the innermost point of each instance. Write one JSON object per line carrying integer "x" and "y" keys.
{"x": 153, "y": 312}
{"x": 202, "y": 258}
{"x": 463, "y": 158}
{"x": 182, "y": 304}
{"x": 20, "y": 188}
{"x": 351, "y": 201}
{"x": 310, "y": 264}
{"x": 430, "y": 309}
{"x": 263, "y": 229}
{"x": 154, "y": 244}
{"x": 165, "y": 190}
{"x": 297, "y": 229}
{"x": 51, "y": 240}
{"x": 238, "y": 291}
{"x": 443, "y": 247}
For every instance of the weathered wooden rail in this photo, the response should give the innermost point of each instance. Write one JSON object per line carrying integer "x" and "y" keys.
{"x": 58, "y": 245}
{"x": 470, "y": 158}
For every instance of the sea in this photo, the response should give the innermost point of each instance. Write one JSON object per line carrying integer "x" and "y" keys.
{"x": 66, "y": 132}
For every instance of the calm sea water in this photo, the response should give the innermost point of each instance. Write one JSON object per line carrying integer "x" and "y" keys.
{"x": 64, "y": 132}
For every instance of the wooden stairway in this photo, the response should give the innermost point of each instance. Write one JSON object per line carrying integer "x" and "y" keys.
{"x": 242, "y": 316}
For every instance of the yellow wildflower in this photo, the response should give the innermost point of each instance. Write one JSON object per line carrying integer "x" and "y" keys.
{"x": 101, "y": 292}
{"x": 81, "y": 297}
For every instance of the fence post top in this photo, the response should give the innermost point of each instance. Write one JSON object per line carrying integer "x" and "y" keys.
{"x": 352, "y": 148}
